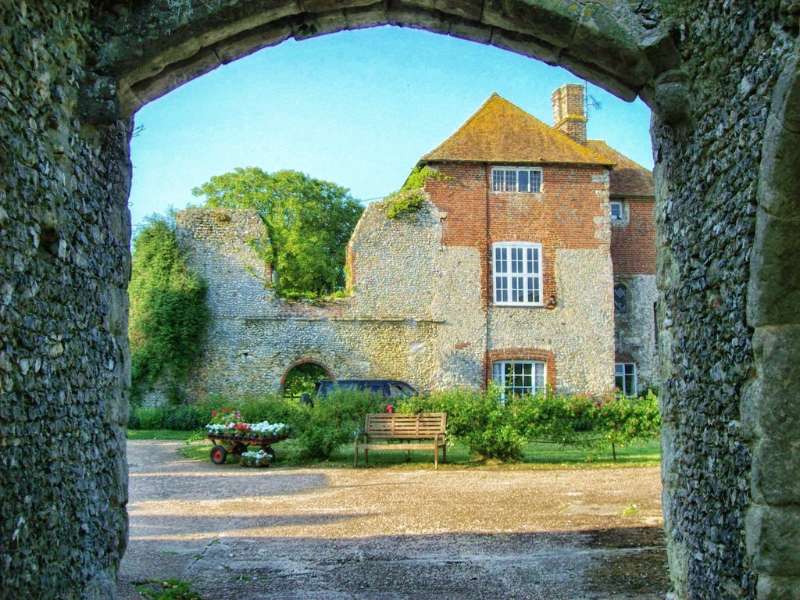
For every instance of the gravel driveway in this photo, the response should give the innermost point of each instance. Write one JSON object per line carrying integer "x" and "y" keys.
{"x": 392, "y": 533}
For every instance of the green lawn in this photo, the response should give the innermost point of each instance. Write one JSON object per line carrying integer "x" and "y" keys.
{"x": 536, "y": 455}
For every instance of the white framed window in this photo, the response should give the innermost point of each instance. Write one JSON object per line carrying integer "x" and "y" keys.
{"x": 625, "y": 378}
{"x": 517, "y": 179}
{"x": 517, "y": 273}
{"x": 617, "y": 212}
{"x": 519, "y": 377}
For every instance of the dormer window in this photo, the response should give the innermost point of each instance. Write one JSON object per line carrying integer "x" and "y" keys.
{"x": 517, "y": 179}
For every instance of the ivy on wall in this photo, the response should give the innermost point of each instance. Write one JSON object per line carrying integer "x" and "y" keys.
{"x": 168, "y": 311}
{"x": 410, "y": 198}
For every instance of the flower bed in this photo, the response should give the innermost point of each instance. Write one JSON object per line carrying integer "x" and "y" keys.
{"x": 255, "y": 458}
{"x": 230, "y": 424}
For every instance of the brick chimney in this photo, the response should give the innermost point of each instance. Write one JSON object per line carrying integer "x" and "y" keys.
{"x": 569, "y": 111}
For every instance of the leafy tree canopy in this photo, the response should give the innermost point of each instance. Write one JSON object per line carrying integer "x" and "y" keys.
{"x": 309, "y": 222}
{"x": 168, "y": 310}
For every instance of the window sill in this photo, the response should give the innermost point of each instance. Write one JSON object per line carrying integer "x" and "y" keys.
{"x": 519, "y": 305}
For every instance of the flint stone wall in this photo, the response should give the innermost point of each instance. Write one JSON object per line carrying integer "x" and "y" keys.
{"x": 415, "y": 312}
{"x": 634, "y": 330}
{"x": 64, "y": 268}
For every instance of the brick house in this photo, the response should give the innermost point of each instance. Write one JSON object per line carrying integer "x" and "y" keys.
{"x": 531, "y": 264}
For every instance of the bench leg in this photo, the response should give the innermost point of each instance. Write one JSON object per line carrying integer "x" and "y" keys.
{"x": 355, "y": 454}
{"x": 444, "y": 453}
{"x": 366, "y": 456}
{"x": 435, "y": 456}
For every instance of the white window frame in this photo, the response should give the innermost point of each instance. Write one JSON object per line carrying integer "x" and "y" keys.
{"x": 531, "y": 280}
{"x": 503, "y": 184}
{"x": 621, "y": 219}
{"x": 538, "y": 379}
{"x": 620, "y": 370}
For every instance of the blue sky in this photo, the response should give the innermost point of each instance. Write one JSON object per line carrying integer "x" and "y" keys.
{"x": 357, "y": 108}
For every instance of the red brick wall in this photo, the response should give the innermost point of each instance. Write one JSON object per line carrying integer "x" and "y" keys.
{"x": 561, "y": 216}
{"x": 633, "y": 245}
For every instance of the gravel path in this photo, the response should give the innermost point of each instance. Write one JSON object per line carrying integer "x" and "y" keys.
{"x": 392, "y": 533}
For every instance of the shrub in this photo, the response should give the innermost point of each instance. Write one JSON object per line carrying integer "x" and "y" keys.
{"x": 334, "y": 420}
{"x": 183, "y": 418}
{"x": 148, "y": 418}
{"x": 623, "y": 420}
{"x": 478, "y": 419}
{"x": 555, "y": 418}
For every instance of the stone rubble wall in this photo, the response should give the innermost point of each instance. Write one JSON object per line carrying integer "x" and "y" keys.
{"x": 707, "y": 178}
{"x": 635, "y": 329}
{"x": 64, "y": 269}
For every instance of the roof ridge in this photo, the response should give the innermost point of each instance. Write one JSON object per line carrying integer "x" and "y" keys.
{"x": 559, "y": 149}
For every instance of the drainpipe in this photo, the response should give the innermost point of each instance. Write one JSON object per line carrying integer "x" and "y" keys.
{"x": 488, "y": 278}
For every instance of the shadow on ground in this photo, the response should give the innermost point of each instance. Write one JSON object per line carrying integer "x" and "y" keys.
{"x": 611, "y": 563}
{"x": 388, "y": 534}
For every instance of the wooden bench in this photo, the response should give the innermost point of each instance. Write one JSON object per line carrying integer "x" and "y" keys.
{"x": 426, "y": 431}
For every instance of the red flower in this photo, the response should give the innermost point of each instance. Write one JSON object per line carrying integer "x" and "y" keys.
{"x": 390, "y": 408}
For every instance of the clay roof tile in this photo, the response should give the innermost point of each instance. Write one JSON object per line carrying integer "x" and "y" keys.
{"x": 501, "y": 132}
{"x": 628, "y": 178}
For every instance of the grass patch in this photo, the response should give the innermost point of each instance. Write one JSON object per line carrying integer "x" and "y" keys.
{"x": 534, "y": 455}
{"x": 164, "y": 434}
{"x": 171, "y": 589}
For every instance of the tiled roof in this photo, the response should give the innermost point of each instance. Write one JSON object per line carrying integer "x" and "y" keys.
{"x": 628, "y": 178}
{"x": 501, "y": 132}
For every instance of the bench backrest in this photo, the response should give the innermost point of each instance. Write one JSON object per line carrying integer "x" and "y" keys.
{"x": 410, "y": 427}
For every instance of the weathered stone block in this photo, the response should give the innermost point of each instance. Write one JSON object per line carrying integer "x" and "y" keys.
{"x": 775, "y": 404}
{"x": 774, "y": 286}
{"x": 778, "y": 588}
{"x": 525, "y": 45}
{"x": 776, "y": 471}
{"x": 552, "y": 21}
{"x": 772, "y": 534}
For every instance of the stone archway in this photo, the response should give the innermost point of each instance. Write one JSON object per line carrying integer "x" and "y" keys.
{"x": 71, "y": 73}
{"x": 317, "y": 366}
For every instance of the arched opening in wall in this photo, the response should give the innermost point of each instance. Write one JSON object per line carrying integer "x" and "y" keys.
{"x": 164, "y": 72}
{"x": 302, "y": 377}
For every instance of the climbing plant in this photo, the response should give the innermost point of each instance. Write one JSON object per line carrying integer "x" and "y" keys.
{"x": 168, "y": 310}
{"x": 410, "y": 198}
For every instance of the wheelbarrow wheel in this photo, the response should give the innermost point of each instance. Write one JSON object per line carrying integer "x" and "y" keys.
{"x": 218, "y": 455}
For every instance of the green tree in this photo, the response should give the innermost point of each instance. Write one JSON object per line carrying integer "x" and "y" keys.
{"x": 309, "y": 222}
{"x": 168, "y": 310}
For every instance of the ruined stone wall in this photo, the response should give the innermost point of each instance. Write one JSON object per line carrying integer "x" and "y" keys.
{"x": 707, "y": 176}
{"x": 255, "y": 336}
{"x": 64, "y": 266}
